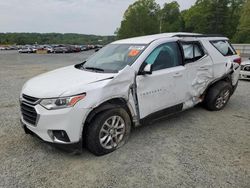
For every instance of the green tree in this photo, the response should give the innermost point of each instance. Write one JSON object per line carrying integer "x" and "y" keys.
{"x": 141, "y": 18}
{"x": 207, "y": 16}
{"x": 171, "y": 20}
{"x": 196, "y": 17}
{"x": 218, "y": 17}
{"x": 235, "y": 9}
{"x": 213, "y": 17}
{"x": 53, "y": 38}
{"x": 243, "y": 30}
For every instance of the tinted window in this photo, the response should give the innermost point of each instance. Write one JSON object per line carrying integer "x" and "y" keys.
{"x": 223, "y": 47}
{"x": 165, "y": 56}
{"x": 192, "y": 51}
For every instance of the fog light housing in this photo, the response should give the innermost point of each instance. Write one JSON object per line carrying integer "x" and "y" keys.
{"x": 59, "y": 135}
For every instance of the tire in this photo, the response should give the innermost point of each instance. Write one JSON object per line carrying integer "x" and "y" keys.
{"x": 103, "y": 136}
{"x": 218, "y": 96}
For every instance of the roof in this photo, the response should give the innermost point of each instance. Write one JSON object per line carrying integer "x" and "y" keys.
{"x": 150, "y": 38}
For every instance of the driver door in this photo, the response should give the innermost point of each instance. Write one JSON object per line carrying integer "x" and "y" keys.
{"x": 165, "y": 88}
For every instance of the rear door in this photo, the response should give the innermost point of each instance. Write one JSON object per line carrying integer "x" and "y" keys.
{"x": 199, "y": 68}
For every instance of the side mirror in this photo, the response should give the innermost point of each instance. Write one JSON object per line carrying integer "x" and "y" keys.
{"x": 147, "y": 69}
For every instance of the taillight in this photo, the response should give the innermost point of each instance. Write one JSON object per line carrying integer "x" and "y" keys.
{"x": 238, "y": 60}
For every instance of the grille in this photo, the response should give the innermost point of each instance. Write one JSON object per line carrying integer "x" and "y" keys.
{"x": 30, "y": 99}
{"x": 29, "y": 113}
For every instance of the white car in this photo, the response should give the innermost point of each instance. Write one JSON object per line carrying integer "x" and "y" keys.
{"x": 27, "y": 50}
{"x": 245, "y": 70}
{"x": 127, "y": 83}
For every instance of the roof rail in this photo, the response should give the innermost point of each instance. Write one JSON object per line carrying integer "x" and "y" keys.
{"x": 199, "y": 35}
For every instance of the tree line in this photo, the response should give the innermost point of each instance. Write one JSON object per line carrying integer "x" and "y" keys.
{"x": 230, "y": 18}
{"x": 52, "y": 38}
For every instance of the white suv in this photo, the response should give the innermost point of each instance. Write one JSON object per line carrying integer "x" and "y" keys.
{"x": 125, "y": 84}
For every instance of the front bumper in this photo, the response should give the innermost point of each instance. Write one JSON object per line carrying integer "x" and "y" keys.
{"x": 245, "y": 75}
{"x": 68, "y": 120}
{"x": 72, "y": 147}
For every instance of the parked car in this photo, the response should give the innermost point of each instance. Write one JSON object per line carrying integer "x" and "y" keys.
{"x": 127, "y": 83}
{"x": 245, "y": 70}
{"x": 98, "y": 47}
{"x": 84, "y": 47}
{"x": 49, "y": 49}
{"x": 27, "y": 50}
{"x": 60, "y": 50}
{"x": 76, "y": 48}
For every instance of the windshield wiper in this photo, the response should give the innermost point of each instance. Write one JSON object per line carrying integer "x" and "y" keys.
{"x": 94, "y": 69}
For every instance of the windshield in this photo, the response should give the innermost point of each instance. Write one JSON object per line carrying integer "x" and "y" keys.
{"x": 113, "y": 57}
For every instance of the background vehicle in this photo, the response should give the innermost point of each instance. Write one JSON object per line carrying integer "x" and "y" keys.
{"x": 76, "y": 48}
{"x": 84, "y": 48}
{"x": 49, "y": 49}
{"x": 60, "y": 50}
{"x": 27, "y": 50}
{"x": 127, "y": 83}
{"x": 245, "y": 70}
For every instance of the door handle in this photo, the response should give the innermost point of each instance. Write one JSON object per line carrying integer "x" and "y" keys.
{"x": 178, "y": 74}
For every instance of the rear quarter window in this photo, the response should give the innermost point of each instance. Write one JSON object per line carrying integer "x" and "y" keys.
{"x": 224, "y": 47}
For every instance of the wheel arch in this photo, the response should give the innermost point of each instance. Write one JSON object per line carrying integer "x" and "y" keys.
{"x": 225, "y": 78}
{"x": 106, "y": 105}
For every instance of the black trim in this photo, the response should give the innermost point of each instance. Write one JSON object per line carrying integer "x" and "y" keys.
{"x": 143, "y": 65}
{"x": 29, "y": 113}
{"x": 200, "y": 35}
{"x": 182, "y": 52}
{"x": 30, "y": 99}
{"x": 162, "y": 113}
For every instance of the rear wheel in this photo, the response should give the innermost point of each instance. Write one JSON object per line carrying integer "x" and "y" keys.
{"x": 108, "y": 131}
{"x": 218, "y": 96}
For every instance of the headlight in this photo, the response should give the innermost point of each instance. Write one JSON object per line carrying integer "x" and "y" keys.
{"x": 62, "y": 102}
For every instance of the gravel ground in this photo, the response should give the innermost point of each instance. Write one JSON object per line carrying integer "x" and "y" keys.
{"x": 195, "y": 148}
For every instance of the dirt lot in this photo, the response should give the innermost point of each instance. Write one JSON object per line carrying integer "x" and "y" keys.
{"x": 196, "y": 148}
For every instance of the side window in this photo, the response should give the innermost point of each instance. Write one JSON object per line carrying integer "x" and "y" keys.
{"x": 165, "y": 56}
{"x": 223, "y": 47}
{"x": 192, "y": 51}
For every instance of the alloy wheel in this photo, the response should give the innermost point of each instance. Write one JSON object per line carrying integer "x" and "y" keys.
{"x": 112, "y": 132}
{"x": 222, "y": 99}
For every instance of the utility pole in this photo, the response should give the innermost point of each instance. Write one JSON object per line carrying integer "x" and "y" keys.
{"x": 160, "y": 24}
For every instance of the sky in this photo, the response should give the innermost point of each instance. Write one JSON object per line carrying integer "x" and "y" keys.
{"x": 99, "y": 17}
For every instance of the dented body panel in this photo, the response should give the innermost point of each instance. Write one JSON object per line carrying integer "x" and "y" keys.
{"x": 174, "y": 88}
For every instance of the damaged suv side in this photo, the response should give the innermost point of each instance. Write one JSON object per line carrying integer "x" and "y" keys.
{"x": 127, "y": 83}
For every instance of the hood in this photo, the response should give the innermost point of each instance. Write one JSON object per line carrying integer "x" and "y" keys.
{"x": 59, "y": 81}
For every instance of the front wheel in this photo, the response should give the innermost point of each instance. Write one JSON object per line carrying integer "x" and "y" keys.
{"x": 108, "y": 131}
